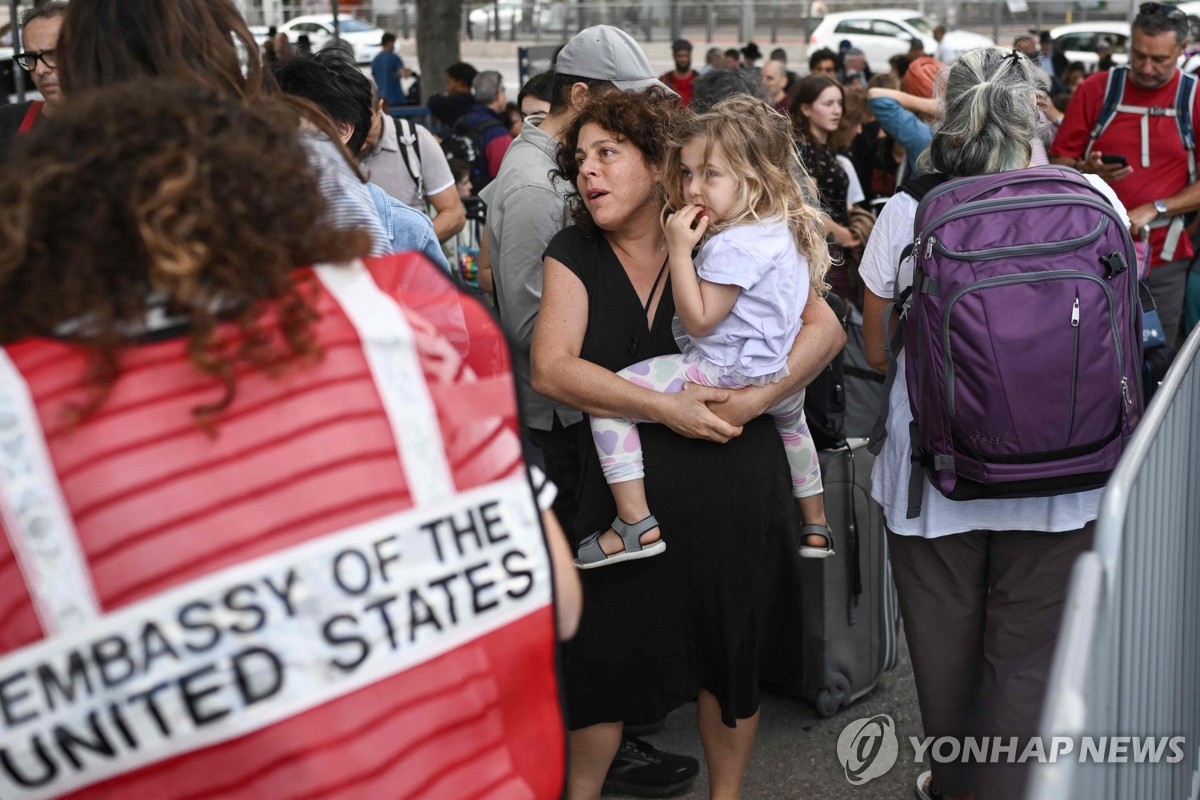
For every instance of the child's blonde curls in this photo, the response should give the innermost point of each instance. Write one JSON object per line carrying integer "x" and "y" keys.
{"x": 756, "y": 141}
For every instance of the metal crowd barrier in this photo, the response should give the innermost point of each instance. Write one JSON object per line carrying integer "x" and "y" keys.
{"x": 1128, "y": 657}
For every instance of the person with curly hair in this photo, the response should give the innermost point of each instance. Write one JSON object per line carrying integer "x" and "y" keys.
{"x": 661, "y": 631}
{"x": 199, "y": 433}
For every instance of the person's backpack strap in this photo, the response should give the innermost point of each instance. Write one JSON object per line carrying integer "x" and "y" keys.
{"x": 481, "y": 129}
{"x": 410, "y": 149}
{"x": 920, "y": 185}
{"x": 917, "y": 187}
{"x": 1113, "y": 91}
{"x": 892, "y": 342}
{"x": 1185, "y": 100}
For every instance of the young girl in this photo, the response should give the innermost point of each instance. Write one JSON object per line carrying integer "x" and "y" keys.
{"x": 733, "y": 182}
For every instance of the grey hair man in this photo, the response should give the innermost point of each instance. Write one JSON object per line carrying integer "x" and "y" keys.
{"x": 485, "y": 125}
{"x": 39, "y": 39}
{"x": 1147, "y": 163}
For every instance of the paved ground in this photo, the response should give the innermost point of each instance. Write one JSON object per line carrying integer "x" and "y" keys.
{"x": 796, "y": 756}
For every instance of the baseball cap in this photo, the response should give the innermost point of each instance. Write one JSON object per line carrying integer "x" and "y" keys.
{"x": 605, "y": 53}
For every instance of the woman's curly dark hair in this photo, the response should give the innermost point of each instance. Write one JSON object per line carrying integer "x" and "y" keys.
{"x": 158, "y": 188}
{"x": 645, "y": 119}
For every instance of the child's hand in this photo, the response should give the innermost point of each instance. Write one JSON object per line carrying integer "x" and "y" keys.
{"x": 685, "y": 227}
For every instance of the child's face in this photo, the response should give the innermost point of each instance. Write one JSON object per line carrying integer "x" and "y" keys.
{"x": 464, "y": 186}
{"x": 708, "y": 182}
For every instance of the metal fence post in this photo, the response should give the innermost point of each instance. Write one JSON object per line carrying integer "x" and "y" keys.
{"x": 1127, "y": 663}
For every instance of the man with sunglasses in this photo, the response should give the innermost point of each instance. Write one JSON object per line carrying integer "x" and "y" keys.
{"x": 1151, "y": 170}
{"x": 39, "y": 36}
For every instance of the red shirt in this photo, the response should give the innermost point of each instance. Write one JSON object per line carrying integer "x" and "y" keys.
{"x": 1168, "y": 171}
{"x": 259, "y": 670}
{"x": 683, "y": 86}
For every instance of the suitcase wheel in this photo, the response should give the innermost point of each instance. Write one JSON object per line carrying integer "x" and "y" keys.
{"x": 834, "y": 696}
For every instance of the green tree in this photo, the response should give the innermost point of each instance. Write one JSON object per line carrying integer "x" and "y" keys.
{"x": 438, "y": 25}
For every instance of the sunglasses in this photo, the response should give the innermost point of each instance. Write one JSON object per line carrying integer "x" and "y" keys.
{"x": 28, "y": 60}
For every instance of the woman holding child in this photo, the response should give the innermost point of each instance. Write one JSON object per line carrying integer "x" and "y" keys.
{"x": 686, "y": 623}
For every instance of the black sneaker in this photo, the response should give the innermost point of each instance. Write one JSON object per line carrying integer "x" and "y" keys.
{"x": 642, "y": 770}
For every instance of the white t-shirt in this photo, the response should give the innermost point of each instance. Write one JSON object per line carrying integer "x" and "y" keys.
{"x": 939, "y": 515}
{"x": 854, "y": 190}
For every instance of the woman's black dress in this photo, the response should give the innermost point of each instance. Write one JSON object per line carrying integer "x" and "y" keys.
{"x": 654, "y": 631}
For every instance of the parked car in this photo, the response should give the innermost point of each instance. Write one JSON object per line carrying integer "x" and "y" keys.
{"x": 883, "y": 33}
{"x": 1082, "y": 41}
{"x": 506, "y": 15}
{"x": 360, "y": 34}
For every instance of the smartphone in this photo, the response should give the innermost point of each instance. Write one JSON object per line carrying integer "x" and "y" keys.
{"x": 1114, "y": 158}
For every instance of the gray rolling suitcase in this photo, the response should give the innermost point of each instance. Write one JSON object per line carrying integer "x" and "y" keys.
{"x": 834, "y": 625}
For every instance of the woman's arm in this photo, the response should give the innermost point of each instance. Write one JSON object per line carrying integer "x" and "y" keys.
{"x": 484, "y": 276}
{"x": 841, "y": 234}
{"x": 560, "y": 374}
{"x": 568, "y": 593}
{"x": 820, "y": 339}
{"x": 899, "y": 122}
{"x": 875, "y": 310}
{"x": 926, "y": 106}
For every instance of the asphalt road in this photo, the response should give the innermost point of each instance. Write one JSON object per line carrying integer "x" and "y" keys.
{"x": 795, "y": 755}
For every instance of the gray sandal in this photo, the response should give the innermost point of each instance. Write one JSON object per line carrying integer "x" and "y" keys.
{"x": 816, "y": 551}
{"x": 591, "y": 555}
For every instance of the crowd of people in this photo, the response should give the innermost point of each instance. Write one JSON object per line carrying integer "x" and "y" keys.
{"x": 199, "y": 393}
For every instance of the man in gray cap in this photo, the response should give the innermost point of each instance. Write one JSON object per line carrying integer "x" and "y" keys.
{"x": 683, "y": 77}
{"x": 526, "y": 208}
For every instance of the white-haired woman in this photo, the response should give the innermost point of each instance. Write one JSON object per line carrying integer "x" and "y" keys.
{"x": 981, "y": 582}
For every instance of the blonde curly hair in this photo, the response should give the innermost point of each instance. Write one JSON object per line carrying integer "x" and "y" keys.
{"x": 756, "y": 141}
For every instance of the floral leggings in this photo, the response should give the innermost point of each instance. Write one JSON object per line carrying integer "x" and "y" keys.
{"x": 620, "y": 447}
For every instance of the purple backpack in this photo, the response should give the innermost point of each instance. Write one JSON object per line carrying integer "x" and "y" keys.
{"x": 1024, "y": 334}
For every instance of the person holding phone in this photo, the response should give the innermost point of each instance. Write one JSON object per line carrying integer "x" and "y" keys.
{"x": 1140, "y": 152}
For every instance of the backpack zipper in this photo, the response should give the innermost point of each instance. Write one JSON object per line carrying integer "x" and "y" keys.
{"x": 1027, "y": 249}
{"x": 978, "y": 206}
{"x": 1074, "y": 368}
{"x": 1006, "y": 280}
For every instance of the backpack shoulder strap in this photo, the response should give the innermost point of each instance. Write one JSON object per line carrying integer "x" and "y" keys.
{"x": 1113, "y": 91}
{"x": 1185, "y": 99}
{"x": 920, "y": 185}
{"x": 485, "y": 125}
{"x": 410, "y": 149}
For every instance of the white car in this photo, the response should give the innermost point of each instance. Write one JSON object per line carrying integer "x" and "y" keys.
{"x": 361, "y": 35}
{"x": 883, "y": 33}
{"x": 1081, "y": 41}
{"x": 507, "y": 14}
